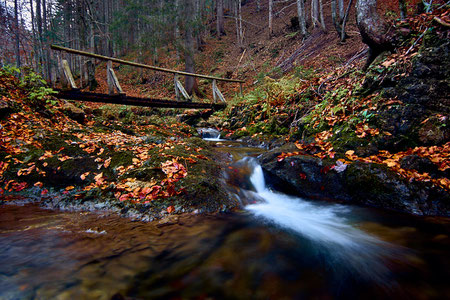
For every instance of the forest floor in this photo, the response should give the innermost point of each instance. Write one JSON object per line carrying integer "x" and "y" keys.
{"x": 379, "y": 138}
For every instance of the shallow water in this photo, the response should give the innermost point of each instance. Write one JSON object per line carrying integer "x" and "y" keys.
{"x": 278, "y": 247}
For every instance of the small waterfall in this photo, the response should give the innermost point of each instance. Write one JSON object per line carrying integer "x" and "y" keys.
{"x": 324, "y": 225}
{"x": 209, "y": 134}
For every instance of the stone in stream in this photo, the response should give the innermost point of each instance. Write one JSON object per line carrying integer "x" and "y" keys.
{"x": 364, "y": 183}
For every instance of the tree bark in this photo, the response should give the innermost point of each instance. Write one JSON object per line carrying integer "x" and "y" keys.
{"x": 190, "y": 82}
{"x": 301, "y": 17}
{"x": 16, "y": 24}
{"x": 374, "y": 30}
{"x": 322, "y": 20}
{"x": 220, "y": 19}
{"x": 270, "y": 18}
{"x": 403, "y": 11}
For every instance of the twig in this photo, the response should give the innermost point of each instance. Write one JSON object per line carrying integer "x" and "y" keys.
{"x": 281, "y": 10}
{"x": 415, "y": 43}
{"x": 448, "y": 2}
{"x": 357, "y": 55}
{"x": 442, "y": 22}
{"x": 231, "y": 17}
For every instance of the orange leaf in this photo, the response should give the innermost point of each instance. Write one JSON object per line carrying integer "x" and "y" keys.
{"x": 170, "y": 209}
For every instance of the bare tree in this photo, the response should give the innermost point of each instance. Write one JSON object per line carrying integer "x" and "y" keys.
{"x": 403, "y": 11}
{"x": 220, "y": 20}
{"x": 301, "y": 16}
{"x": 340, "y": 17}
{"x": 17, "y": 29}
{"x": 190, "y": 82}
{"x": 270, "y": 17}
{"x": 317, "y": 14}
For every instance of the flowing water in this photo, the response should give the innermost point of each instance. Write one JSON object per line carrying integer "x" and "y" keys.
{"x": 277, "y": 247}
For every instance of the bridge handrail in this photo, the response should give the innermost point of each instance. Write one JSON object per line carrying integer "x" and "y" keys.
{"x": 130, "y": 63}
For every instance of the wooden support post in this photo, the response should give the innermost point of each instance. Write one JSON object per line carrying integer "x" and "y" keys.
{"x": 68, "y": 74}
{"x": 109, "y": 78}
{"x": 61, "y": 76}
{"x": 214, "y": 87}
{"x": 217, "y": 93}
{"x": 113, "y": 82}
{"x": 177, "y": 92}
{"x": 180, "y": 88}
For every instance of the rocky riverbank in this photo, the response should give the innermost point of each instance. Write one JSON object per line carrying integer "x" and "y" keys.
{"x": 135, "y": 162}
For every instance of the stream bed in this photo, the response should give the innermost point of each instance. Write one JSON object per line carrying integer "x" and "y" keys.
{"x": 277, "y": 247}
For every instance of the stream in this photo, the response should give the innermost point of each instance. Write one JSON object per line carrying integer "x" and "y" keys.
{"x": 278, "y": 247}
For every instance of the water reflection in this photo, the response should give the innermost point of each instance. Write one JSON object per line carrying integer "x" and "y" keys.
{"x": 46, "y": 255}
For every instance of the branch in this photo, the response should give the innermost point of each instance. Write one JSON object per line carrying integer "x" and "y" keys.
{"x": 281, "y": 10}
{"x": 442, "y": 22}
{"x": 231, "y": 17}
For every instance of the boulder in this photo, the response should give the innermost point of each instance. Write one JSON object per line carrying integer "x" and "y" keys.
{"x": 362, "y": 183}
{"x": 4, "y": 109}
{"x": 73, "y": 112}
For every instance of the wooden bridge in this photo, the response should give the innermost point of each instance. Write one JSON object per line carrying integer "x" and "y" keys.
{"x": 117, "y": 96}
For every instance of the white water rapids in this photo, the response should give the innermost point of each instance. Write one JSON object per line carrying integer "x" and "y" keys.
{"x": 325, "y": 226}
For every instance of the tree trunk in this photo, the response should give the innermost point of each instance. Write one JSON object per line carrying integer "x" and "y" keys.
{"x": 35, "y": 42}
{"x": 403, "y": 11}
{"x": 344, "y": 36}
{"x": 301, "y": 17}
{"x": 270, "y": 18}
{"x": 374, "y": 30}
{"x": 315, "y": 13}
{"x": 16, "y": 24}
{"x": 177, "y": 29}
{"x": 190, "y": 82}
{"x": 322, "y": 20}
{"x": 220, "y": 19}
{"x": 335, "y": 17}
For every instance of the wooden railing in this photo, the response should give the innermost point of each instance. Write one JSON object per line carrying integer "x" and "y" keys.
{"x": 114, "y": 85}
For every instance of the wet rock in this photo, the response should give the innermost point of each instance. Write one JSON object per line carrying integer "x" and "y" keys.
{"x": 4, "y": 109}
{"x": 193, "y": 116}
{"x": 169, "y": 220}
{"x": 434, "y": 133}
{"x": 420, "y": 164}
{"x": 208, "y": 133}
{"x": 303, "y": 175}
{"x": 428, "y": 83}
{"x": 73, "y": 112}
{"x": 362, "y": 183}
{"x": 376, "y": 185}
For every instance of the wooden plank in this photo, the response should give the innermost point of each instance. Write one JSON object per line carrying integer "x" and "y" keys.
{"x": 130, "y": 63}
{"x": 177, "y": 91}
{"x": 214, "y": 87}
{"x": 180, "y": 88}
{"x": 217, "y": 93}
{"x": 126, "y": 100}
{"x": 61, "y": 75}
{"x": 109, "y": 78}
{"x": 68, "y": 74}
{"x": 116, "y": 81}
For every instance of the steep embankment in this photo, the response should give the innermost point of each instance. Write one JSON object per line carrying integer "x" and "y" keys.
{"x": 379, "y": 138}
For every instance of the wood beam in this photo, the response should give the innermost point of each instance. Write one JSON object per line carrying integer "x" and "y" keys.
{"x": 127, "y": 100}
{"x": 130, "y": 63}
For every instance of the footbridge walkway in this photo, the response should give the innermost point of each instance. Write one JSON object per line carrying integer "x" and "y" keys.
{"x": 117, "y": 96}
